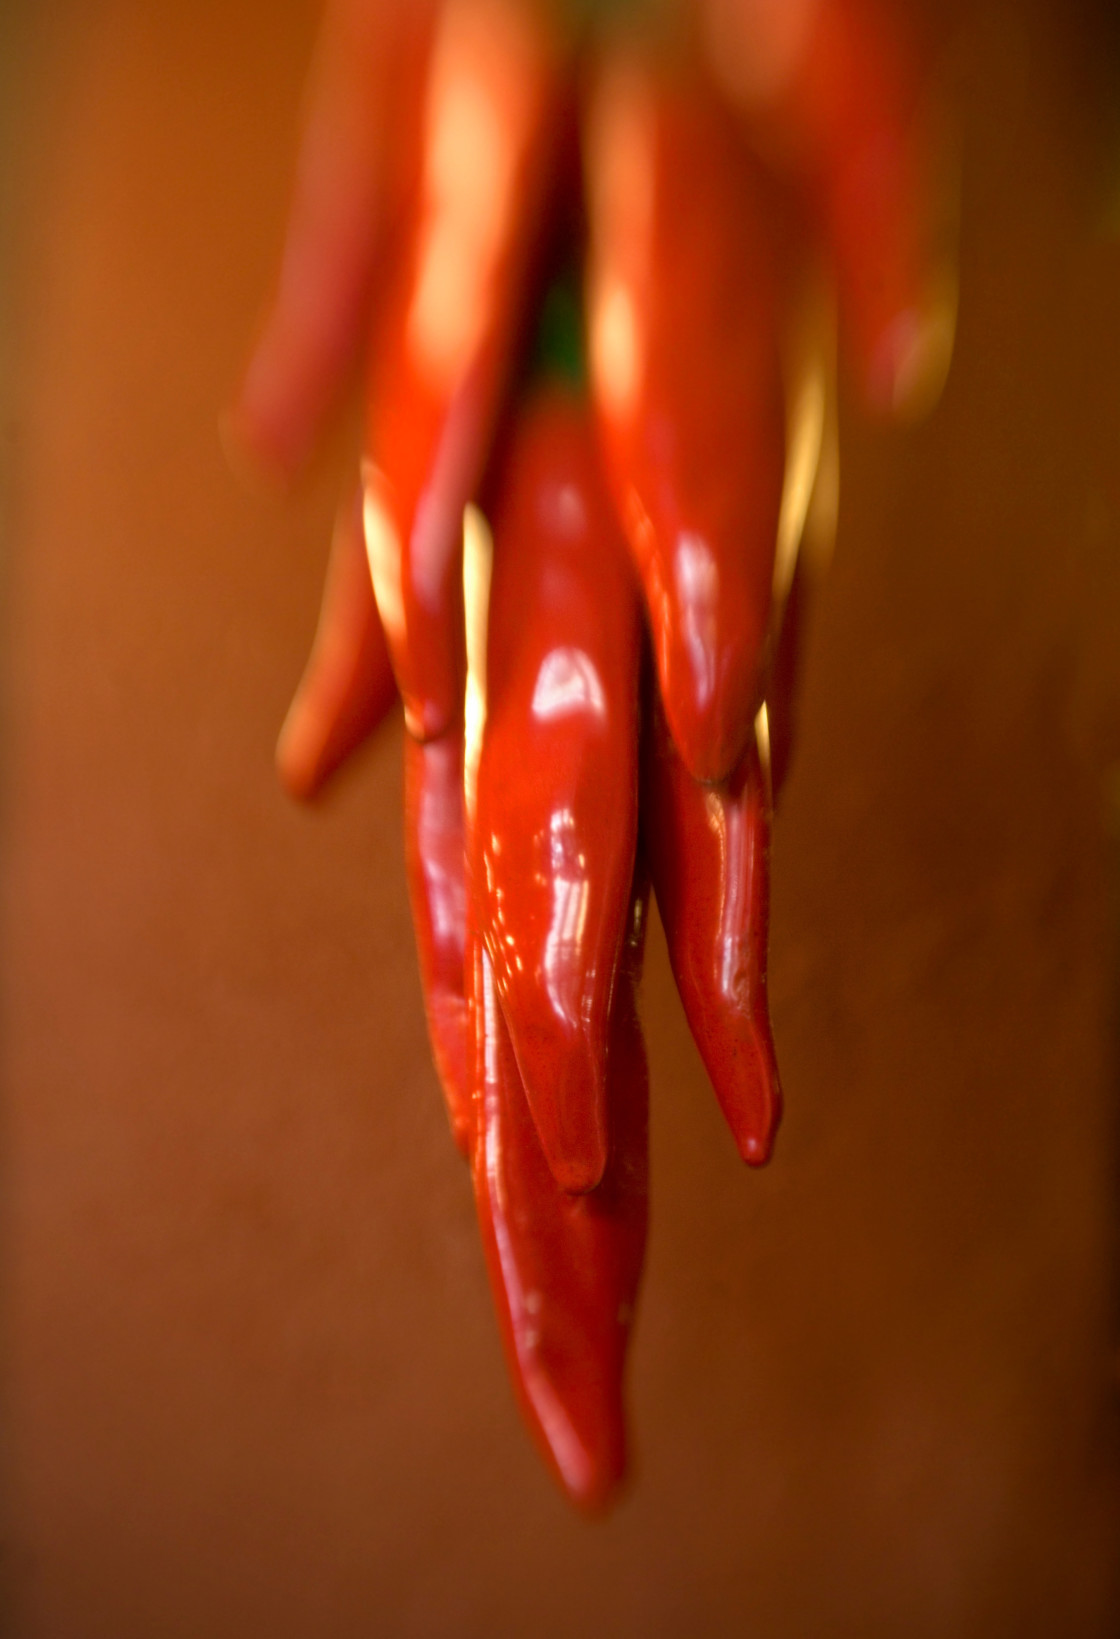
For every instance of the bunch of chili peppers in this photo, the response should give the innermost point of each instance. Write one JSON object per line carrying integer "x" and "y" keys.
{"x": 574, "y": 553}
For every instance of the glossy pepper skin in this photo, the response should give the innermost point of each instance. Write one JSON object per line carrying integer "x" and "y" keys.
{"x": 686, "y": 371}
{"x": 709, "y": 849}
{"x": 435, "y": 865}
{"x": 564, "y": 1269}
{"x": 448, "y": 328}
{"x": 347, "y": 687}
{"x": 557, "y": 791}
{"x": 689, "y": 404}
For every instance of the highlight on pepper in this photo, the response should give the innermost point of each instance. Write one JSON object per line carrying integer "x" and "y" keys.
{"x": 604, "y": 257}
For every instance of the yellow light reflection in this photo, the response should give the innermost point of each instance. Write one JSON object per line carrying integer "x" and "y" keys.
{"x": 383, "y": 549}
{"x": 478, "y": 563}
{"x": 762, "y": 740}
{"x": 804, "y": 441}
{"x": 810, "y": 492}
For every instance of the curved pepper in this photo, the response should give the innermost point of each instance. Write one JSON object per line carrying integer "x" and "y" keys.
{"x": 435, "y": 864}
{"x": 564, "y": 1269}
{"x": 355, "y": 163}
{"x": 831, "y": 87}
{"x": 346, "y": 690}
{"x": 687, "y": 381}
{"x": 347, "y": 686}
{"x": 709, "y": 855}
{"x": 447, "y": 330}
{"x": 856, "y": 96}
{"x": 557, "y": 791}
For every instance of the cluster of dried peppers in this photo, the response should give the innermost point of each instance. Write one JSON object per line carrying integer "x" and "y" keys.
{"x": 548, "y": 780}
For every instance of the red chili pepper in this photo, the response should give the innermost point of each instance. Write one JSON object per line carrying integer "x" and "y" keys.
{"x": 435, "y": 862}
{"x": 447, "y": 330}
{"x": 830, "y": 90}
{"x": 557, "y": 790}
{"x": 345, "y": 692}
{"x": 564, "y": 1269}
{"x": 687, "y": 379}
{"x": 709, "y": 856}
{"x": 347, "y": 686}
{"x": 855, "y": 97}
{"x": 354, "y": 174}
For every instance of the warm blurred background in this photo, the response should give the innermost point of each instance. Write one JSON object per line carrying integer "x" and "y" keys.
{"x": 251, "y": 1380}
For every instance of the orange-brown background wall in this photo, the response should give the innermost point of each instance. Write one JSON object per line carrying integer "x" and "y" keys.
{"x": 251, "y": 1380}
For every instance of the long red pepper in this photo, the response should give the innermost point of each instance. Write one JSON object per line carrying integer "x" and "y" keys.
{"x": 354, "y": 181}
{"x": 564, "y": 1269}
{"x": 687, "y": 380}
{"x": 347, "y": 686}
{"x": 435, "y": 863}
{"x": 830, "y": 92}
{"x": 346, "y": 690}
{"x": 709, "y": 854}
{"x": 443, "y": 345}
{"x": 557, "y": 790}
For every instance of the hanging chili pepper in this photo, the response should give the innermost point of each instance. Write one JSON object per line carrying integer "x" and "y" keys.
{"x": 831, "y": 95}
{"x": 529, "y": 925}
{"x": 347, "y": 687}
{"x": 687, "y": 383}
{"x": 435, "y": 863}
{"x": 447, "y": 331}
{"x": 353, "y": 183}
{"x": 346, "y": 690}
{"x": 557, "y": 792}
{"x": 855, "y": 94}
{"x": 564, "y": 1269}
{"x": 556, "y": 935}
{"x": 709, "y": 856}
